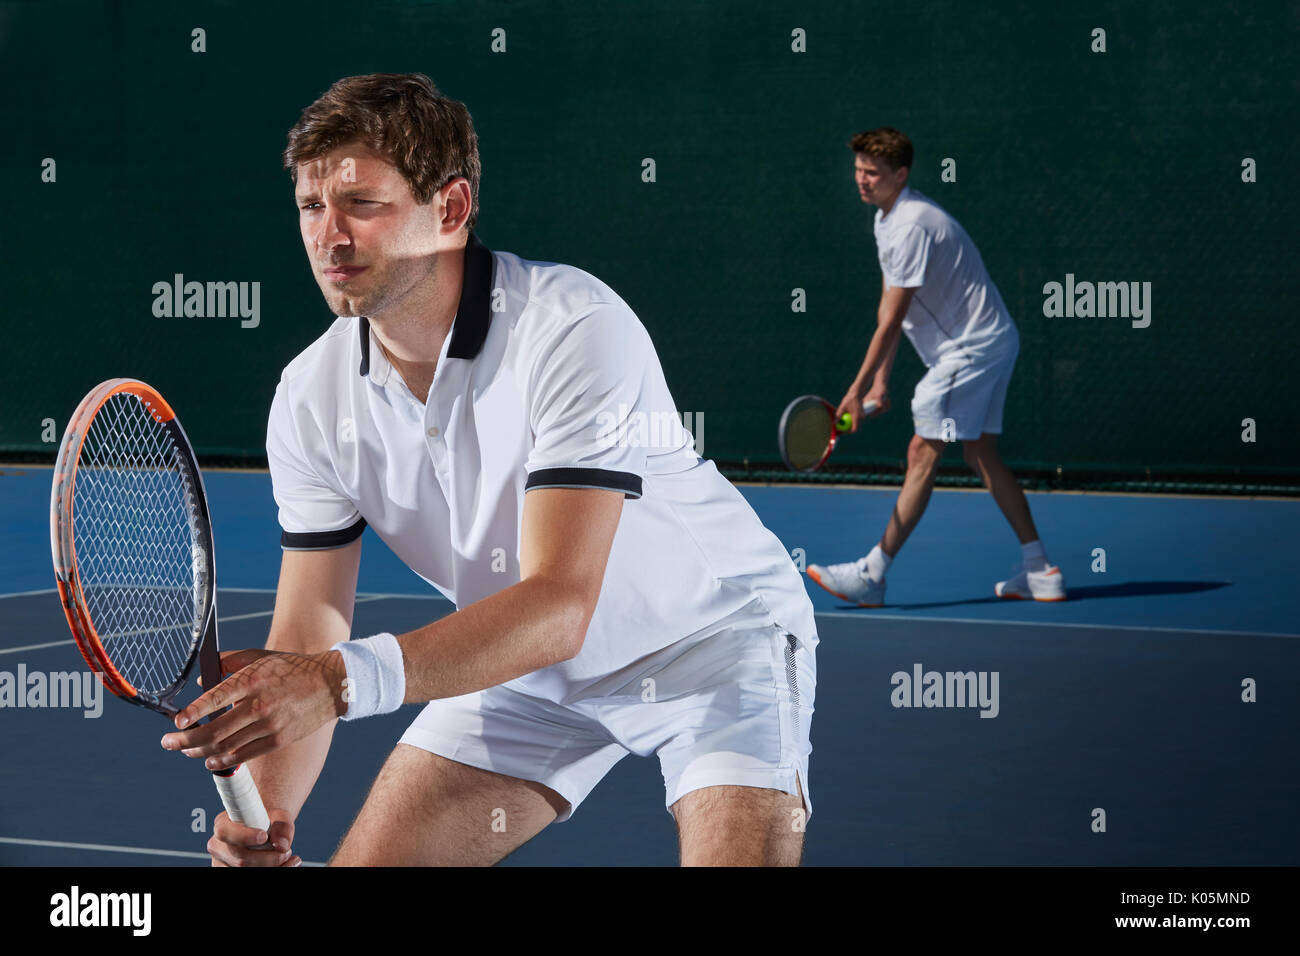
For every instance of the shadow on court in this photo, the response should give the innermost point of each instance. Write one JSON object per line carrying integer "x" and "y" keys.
{"x": 1087, "y": 592}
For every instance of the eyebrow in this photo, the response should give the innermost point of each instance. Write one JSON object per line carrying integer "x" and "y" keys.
{"x": 347, "y": 193}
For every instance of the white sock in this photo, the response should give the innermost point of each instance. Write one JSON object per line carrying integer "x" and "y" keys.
{"x": 1035, "y": 557}
{"x": 876, "y": 564}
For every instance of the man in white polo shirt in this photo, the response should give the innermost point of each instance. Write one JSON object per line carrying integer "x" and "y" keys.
{"x": 505, "y": 427}
{"x": 937, "y": 291}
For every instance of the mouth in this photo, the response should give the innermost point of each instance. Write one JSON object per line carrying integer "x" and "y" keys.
{"x": 342, "y": 273}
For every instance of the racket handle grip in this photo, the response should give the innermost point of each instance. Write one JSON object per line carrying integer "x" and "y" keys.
{"x": 243, "y": 802}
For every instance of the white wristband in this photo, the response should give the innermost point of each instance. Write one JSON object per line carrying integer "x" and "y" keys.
{"x": 376, "y": 678}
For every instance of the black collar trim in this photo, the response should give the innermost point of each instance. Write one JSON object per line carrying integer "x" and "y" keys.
{"x": 470, "y": 328}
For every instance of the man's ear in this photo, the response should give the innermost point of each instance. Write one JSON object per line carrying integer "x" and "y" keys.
{"x": 458, "y": 200}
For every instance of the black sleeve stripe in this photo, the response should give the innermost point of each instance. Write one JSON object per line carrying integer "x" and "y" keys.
{"x": 321, "y": 540}
{"x": 622, "y": 481}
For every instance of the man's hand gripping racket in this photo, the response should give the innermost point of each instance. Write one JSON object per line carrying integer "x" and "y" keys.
{"x": 131, "y": 539}
{"x": 854, "y": 409}
{"x": 810, "y": 426}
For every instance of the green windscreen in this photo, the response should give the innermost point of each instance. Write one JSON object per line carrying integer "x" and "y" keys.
{"x": 693, "y": 156}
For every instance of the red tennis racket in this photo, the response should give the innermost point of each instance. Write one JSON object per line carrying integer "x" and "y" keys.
{"x": 808, "y": 431}
{"x": 132, "y": 544}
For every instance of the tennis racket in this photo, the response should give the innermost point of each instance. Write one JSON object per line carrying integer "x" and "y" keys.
{"x": 133, "y": 559}
{"x": 808, "y": 431}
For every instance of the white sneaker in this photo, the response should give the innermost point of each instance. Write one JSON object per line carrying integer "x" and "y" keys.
{"x": 1046, "y": 585}
{"x": 849, "y": 582}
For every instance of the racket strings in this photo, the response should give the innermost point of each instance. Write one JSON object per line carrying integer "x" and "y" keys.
{"x": 808, "y": 431}
{"x": 135, "y": 533}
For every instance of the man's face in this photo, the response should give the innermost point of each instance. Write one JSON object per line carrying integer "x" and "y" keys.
{"x": 877, "y": 181}
{"x": 368, "y": 240}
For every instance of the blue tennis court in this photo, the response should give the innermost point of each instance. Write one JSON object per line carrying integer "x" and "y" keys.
{"x": 1123, "y": 704}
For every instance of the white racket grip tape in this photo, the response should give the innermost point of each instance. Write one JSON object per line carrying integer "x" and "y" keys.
{"x": 243, "y": 802}
{"x": 869, "y": 406}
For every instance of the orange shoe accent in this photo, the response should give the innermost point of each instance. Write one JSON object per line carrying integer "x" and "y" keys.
{"x": 817, "y": 578}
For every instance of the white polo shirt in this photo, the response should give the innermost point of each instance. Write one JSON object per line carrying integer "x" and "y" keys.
{"x": 546, "y": 379}
{"x": 956, "y": 308}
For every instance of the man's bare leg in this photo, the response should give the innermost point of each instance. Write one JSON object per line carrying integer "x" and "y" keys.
{"x": 740, "y": 826}
{"x": 426, "y": 810}
{"x": 984, "y": 458}
{"x": 923, "y": 456}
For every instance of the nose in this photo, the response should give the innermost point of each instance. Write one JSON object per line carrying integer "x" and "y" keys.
{"x": 329, "y": 231}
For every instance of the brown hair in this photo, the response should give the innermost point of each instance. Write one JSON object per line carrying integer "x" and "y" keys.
{"x": 885, "y": 143}
{"x": 428, "y": 137}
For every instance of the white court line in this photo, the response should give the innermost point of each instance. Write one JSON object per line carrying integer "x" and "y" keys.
{"x": 398, "y": 597}
{"x": 220, "y": 620}
{"x": 866, "y": 614}
{"x": 36, "y": 647}
{"x": 108, "y": 848}
{"x": 367, "y": 595}
{"x": 361, "y": 599}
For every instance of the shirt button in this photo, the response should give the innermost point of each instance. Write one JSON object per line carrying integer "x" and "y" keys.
{"x": 434, "y": 432}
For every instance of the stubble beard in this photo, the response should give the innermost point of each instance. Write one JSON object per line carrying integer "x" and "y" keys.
{"x": 390, "y": 288}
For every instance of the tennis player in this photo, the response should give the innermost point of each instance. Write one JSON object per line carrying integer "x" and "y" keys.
{"x": 505, "y": 427}
{"x": 935, "y": 288}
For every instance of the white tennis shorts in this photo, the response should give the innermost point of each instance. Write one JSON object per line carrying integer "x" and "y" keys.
{"x": 961, "y": 398}
{"x": 729, "y": 705}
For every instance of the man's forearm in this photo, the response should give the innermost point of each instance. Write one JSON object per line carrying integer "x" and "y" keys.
{"x": 538, "y": 622}
{"x": 887, "y": 366}
{"x": 880, "y": 353}
{"x": 523, "y": 628}
{"x": 285, "y": 777}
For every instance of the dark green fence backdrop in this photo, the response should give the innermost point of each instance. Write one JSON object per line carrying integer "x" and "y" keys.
{"x": 1117, "y": 166}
